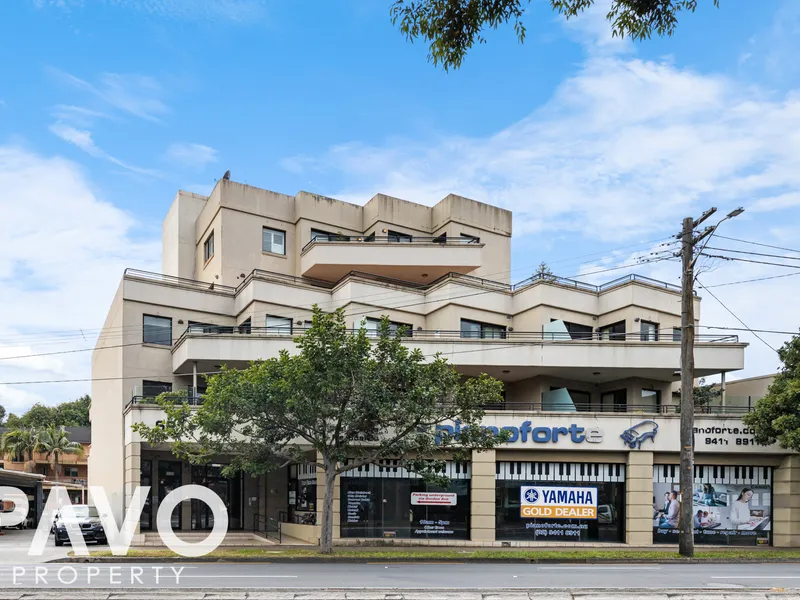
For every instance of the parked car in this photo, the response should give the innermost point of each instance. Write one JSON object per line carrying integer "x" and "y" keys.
{"x": 88, "y": 520}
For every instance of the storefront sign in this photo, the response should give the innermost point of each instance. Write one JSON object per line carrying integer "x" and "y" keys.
{"x": 429, "y": 527}
{"x": 433, "y": 499}
{"x": 637, "y": 435}
{"x": 544, "y": 502}
{"x": 358, "y": 505}
{"x": 527, "y": 432}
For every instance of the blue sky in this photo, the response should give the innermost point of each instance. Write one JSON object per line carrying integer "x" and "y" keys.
{"x": 107, "y": 107}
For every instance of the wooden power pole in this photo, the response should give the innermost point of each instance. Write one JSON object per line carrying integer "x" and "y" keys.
{"x": 688, "y": 259}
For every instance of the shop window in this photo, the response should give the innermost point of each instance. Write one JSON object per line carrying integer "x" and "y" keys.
{"x": 377, "y": 507}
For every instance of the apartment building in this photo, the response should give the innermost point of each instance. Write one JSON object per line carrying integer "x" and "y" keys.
{"x": 588, "y": 374}
{"x": 72, "y": 471}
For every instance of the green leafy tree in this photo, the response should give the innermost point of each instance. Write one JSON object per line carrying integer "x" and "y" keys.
{"x": 73, "y": 414}
{"x": 452, "y": 27}
{"x": 776, "y": 417}
{"x": 2, "y": 414}
{"x": 341, "y": 402}
{"x": 13, "y": 421}
{"x": 543, "y": 272}
{"x": 20, "y": 442}
{"x": 53, "y": 442}
{"x": 39, "y": 416}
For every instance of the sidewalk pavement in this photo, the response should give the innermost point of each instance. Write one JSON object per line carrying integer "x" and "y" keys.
{"x": 332, "y": 594}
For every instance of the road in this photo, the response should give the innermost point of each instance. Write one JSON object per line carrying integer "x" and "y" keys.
{"x": 400, "y": 576}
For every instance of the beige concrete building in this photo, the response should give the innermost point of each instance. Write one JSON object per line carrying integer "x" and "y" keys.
{"x": 588, "y": 372}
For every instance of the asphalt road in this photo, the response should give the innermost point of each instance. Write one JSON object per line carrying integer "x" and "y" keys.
{"x": 399, "y": 576}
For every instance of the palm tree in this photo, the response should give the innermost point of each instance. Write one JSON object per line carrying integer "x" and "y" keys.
{"x": 20, "y": 441}
{"x": 53, "y": 442}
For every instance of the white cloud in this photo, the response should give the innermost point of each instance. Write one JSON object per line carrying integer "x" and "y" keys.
{"x": 77, "y": 115}
{"x": 137, "y": 95}
{"x": 83, "y": 140}
{"x": 64, "y": 251}
{"x": 196, "y": 156}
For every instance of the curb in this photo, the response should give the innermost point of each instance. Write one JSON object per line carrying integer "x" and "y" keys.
{"x": 404, "y": 560}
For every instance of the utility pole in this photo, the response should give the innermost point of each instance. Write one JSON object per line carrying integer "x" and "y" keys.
{"x": 686, "y": 480}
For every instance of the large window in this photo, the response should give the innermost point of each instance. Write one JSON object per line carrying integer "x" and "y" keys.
{"x": 616, "y": 401}
{"x": 615, "y": 331}
{"x": 151, "y": 389}
{"x": 608, "y": 527}
{"x": 476, "y": 329}
{"x": 273, "y": 240}
{"x": 577, "y": 331}
{"x": 651, "y": 399}
{"x": 208, "y": 247}
{"x": 372, "y": 326}
{"x": 649, "y": 331}
{"x": 157, "y": 330}
{"x": 383, "y": 508}
{"x": 279, "y": 325}
{"x": 396, "y": 236}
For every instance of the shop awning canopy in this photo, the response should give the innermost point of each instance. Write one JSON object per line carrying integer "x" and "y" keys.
{"x": 19, "y": 479}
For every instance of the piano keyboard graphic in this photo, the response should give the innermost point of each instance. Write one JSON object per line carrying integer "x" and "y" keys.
{"x": 391, "y": 469}
{"x": 716, "y": 474}
{"x": 560, "y": 471}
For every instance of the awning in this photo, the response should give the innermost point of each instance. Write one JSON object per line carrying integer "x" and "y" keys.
{"x": 19, "y": 479}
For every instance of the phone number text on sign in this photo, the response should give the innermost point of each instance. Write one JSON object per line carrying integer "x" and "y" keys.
{"x": 558, "y": 502}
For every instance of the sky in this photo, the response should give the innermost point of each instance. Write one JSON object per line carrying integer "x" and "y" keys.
{"x": 599, "y": 146}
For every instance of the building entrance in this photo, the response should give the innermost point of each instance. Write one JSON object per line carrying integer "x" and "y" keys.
{"x": 228, "y": 489}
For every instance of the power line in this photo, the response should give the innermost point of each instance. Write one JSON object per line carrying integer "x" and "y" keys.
{"x": 752, "y": 280}
{"x": 759, "y": 244}
{"x": 755, "y": 253}
{"x": 736, "y": 317}
{"x": 758, "y": 262}
{"x": 752, "y": 330}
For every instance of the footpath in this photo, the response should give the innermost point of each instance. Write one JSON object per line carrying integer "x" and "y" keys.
{"x": 431, "y": 594}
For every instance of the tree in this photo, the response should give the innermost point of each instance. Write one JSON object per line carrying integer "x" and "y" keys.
{"x": 776, "y": 416}
{"x": 39, "y": 416}
{"x": 544, "y": 272}
{"x": 20, "y": 442}
{"x": 13, "y": 421}
{"x": 451, "y": 27}
{"x": 2, "y": 414}
{"x": 341, "y": 402}
{"x": 54, "y": 442}
{"x": 75, "y": 413}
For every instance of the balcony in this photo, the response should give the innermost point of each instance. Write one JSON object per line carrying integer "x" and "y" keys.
{"x": 633, "y": 409}
{"x": 507, "y": 355}
{"x": 409, "y": 258}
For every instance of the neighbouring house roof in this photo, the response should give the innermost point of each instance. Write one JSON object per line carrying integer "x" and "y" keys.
{"x": 76, "y": 434}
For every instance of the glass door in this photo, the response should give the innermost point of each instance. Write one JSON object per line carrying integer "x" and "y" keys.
{"x": 146, "y": 479}
{"x": 229, "y": 491}
{"x": 169, "y": 478}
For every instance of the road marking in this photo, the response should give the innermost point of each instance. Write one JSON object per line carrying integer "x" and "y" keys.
{"x": 755, "y": 577}
{"x": 599, "y": 568}
{"x": 238, "y": 576}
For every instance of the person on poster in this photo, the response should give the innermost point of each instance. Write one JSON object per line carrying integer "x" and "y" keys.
{"x": 740, "y": 511}
{"x": 698, "y": 520}
{"x": 670, "y": 520}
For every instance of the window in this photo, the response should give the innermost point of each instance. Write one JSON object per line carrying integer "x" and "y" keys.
{"x": 649, "y": 331}
{"x": 199, "y": 327}
{"x": 476, "y": 329}
{"x": 582, "y": 400}
{"x": 470, "y": 239}
{"x": 370, "y": 237}
{"x": 396, "y": 236}
{"x": 615, "y": 331}
{"x": 246, "y": 326}
{"x": 577, "y": 331}
{"x": 279, "y": 325}
{"x": 327, "y": 236}
{"x": 677, "y": 334}
{"x": 372, "y": 325}
{"x": 71, "y": 472}
{"x": 208, "y": 247}
{"x": 651, "y": 399}
{"x": 616, "y": 401}
{"x": 273, "y": 240}
{"x": 151, "y": 389}
{"x": 157, "y": 330}
{"x": 441, "y": 238}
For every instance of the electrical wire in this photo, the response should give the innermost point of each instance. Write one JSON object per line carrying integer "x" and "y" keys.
{"x": 747, "y": 260}
{"x": 752, "y": 280}
{"x": 752, "y": 330}
{"x": 758, "y": 244}
{"x": 755, "y": 253}
{"x": 736, "y": 317}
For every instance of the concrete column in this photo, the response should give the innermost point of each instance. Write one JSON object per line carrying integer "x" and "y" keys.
{"x": 186, "y": 507}
{"x": 482, "y": 497}
{"x": 639, "y": 499}
{"x": 133, "y": 471}
{"x": 786, "y": 503}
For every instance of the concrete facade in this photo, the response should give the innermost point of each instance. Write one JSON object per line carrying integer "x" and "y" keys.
{"x": 565, "y": 350}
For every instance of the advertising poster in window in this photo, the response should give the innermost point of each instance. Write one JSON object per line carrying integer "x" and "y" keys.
{"x": 549, "y": 512}
{"x": 725, "y": 514}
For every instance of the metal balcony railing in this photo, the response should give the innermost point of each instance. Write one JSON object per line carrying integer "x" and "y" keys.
{"x": 584, "y": 407}
{"x": 457, "y": 335}
{"x": 393, "y": 239}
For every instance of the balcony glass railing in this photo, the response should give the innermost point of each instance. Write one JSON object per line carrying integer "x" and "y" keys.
{"x": 673, "y": 409}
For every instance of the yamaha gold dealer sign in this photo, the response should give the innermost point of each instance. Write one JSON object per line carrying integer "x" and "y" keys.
{"x": 544, "y": 502}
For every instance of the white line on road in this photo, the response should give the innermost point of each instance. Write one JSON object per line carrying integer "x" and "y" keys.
{"x": 599, "y": 568}
{"x": 755, "y": 577}
{"x": 238, "y": 576}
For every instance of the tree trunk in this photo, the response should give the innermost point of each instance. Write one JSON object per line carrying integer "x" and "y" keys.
{"x": 326, "y": 531}
{"x": 55, "y": 466}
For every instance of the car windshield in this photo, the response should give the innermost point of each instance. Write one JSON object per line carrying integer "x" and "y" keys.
{"x": 79, "y": 511}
